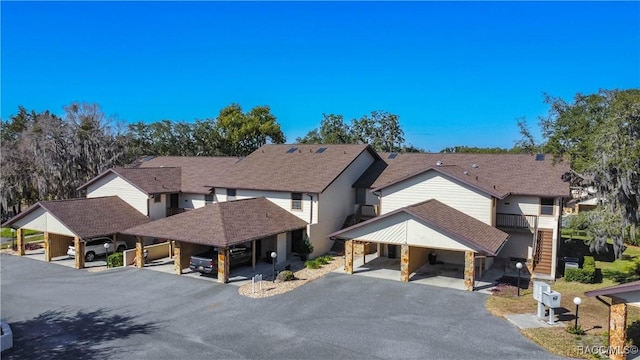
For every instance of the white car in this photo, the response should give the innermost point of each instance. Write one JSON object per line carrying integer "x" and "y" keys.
{"x": 95, "y": 247}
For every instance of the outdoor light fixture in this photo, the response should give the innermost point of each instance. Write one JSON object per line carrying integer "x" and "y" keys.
{"x": 145, "y": 253}
{"x": 106, "y": 249}
{"x": 274, "y": 255}
{"x": 519, "y": 267}
{"x": 577, "y": 301}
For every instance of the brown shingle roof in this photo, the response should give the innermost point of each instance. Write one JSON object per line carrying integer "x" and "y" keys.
{"x": 275, "y": 167}
{"x": 452, "y": 222}
{"x": 519, "y": 174}
{"x": 149, "y": 180}
{"x": 199, "y": 173}
{"x": 89, "y": 217}
{"x": 223, "y": 224}
{"x": 616, "y": 289}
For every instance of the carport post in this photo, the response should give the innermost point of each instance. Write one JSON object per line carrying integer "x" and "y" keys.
{"x": 79, "y": 246}
{"x": 20, "y": 235}
{"x": 348, "y": 256}
{"x": 139, "y": 252}
{"x": 223, "y": 264}
{"x": 617, "y": 329}
{"x": 404, "y": 262}
{"x": 469, "y": 268}
{"x": 177, "y": 257}
{"x": 47, "y": 247}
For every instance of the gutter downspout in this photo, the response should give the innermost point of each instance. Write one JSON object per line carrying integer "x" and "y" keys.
{"x": 310, "y": 208}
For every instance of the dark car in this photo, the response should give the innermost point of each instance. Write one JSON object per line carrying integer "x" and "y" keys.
{"x": 207, "y": 262}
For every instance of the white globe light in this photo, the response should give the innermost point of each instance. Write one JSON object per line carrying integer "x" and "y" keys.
{"x": 106, "y": 245}
{"x": 274, "y": 255}
{"x": 519, "y": 265}
{"x": 577, "y": 300}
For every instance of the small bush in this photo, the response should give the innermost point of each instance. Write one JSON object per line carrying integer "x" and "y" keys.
{"x": 286, "y": 275}
{"x": 577, "y": 330}
{"x": 115, "y": 260}
{"x": 322, "y": 260}
{"x": 579, "y": 275}
{"x": 313, "y": 264}
{"x": 633, "y": 332}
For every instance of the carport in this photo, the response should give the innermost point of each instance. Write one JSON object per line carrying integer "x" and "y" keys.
{"x": 423, "y": 229}
{"x": 73, "y": 221}
{"x": 222, "y": 225}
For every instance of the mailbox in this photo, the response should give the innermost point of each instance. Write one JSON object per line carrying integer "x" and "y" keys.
{"x": 551, "y": 298}
{"x": 538, "y": 288}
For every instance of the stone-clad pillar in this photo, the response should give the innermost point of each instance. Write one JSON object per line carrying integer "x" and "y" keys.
{"x": 223, "y": 265}
{"x": 617, "y": 329}
{"x": 404, "y": 262}
{"x": 79, "y": 258}
{"x": 20, "y": 235}
{"x": 177, "y": 257}
{"x": 47, "y": 247}
{"x": 348, "y": 256}
{"x": 469, "y": 268}
{"x": 139, "y": 252}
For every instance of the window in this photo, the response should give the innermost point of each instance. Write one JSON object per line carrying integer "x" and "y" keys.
{"x": 546, "y": 206}
{"x": 208, "y": 199}
{"x": 296, "y": 201}
{"x": 157, "y": 198}
{"x": 231, "y": 194}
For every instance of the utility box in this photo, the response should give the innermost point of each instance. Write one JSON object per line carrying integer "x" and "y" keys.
{"x": 551, "y": 298}
{"x": 538, "y": 288}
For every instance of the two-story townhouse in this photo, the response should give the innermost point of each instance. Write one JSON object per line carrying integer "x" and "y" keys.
{"x": 521, "y": 195}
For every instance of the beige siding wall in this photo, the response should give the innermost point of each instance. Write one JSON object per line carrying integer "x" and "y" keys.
{"x": 41, "y": 220}
{"x": 519, "y": 204}
{"x": 390, "y": 230}
{"x": 336, "y": 203}
{"x": 158, "y": 210}
{"x": 283, "y": 199}
{"x": 111, "y": 185}
{"x": 433, "y": 185}
{"x": 519, "y": 245}
{"x": 192, "y": 201}
{"x": 422, "y": 235}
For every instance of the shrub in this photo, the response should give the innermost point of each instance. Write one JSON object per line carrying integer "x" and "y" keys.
{"x": 115, "y": 260}
{"x": 286, "y": 275}
{"x": 313, "y": 264}
{"x": 633, "y": 332}
{"x": 586, "y": 275}
{"x": 322, "y": 260}
{"x": 577, "y": 330}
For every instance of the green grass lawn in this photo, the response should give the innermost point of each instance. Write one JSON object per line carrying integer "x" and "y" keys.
{"x": 6, "y": 232}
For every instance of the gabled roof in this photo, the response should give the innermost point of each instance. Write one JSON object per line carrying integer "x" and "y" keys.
{"x": 199, "y": 173}
{"x": 148, "y": 180}
{"x": 223, "y": 224}
{"x": 518, "y": 174}
{"x": 451, "y": 222}
{"x": 293, "y": 168}
{"x": 89, "y": 217}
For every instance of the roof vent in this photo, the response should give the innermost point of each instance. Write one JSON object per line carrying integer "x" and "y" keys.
{"x": 438, "y": 163}
{"x": 475, "y": 166}
{"x": 321, "y": 150}
{"x": 466, "y": 172}
{"x": 539, "y": 157}
{"x": 292, "y": 150}
{"x": 392, "y": 155}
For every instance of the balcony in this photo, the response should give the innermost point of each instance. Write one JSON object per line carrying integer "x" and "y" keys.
{"x": 174, "y": 211}
{"x": 517, "y": 221}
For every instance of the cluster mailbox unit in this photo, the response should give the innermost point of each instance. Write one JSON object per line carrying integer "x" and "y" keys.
{"x": 543, "y": 294}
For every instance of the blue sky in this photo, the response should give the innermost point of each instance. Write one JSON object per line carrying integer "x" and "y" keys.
{"x": 457, "y": 73}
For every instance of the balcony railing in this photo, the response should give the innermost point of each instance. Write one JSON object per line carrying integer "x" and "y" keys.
{"x": 174, "y": 211}
{"x": 517, "y": 221}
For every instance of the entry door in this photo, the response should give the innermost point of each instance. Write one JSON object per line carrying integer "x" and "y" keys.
{"x": 173, "y": 201}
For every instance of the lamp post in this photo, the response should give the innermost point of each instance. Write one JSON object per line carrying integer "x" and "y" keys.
{"x": 519, "y": 267}
{"x": 577, "y": 301}
{"x": 274, "y": 255}
{"x": 13, "y": 239}
{"x": 106, "y": 250}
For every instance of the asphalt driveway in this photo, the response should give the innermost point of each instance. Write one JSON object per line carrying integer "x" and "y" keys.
{"x": 127, "y": 313}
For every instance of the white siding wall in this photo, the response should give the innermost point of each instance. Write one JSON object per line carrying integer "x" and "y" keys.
{"x": 519, "y": 204}
{"x": 111, "y": 185}
{"x": 336, "y": 203}
{"x": 158, "y": 210}
{"x": 433, "y": 185}
{"x": 518, "y": 245}
{"x": 390, "y": 230}
{"x": 282, "y": 199}
{"x": 220, "y": 195}
{"x": 421, "y": 235}
{"x": 41, "y": 220}
{"x": 192, "y": 201}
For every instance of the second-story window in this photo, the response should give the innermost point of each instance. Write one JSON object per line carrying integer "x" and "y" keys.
{"x": 296, "y": 201}
{"x": 231, "y": 194}
{"x": 546, "y": 206}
